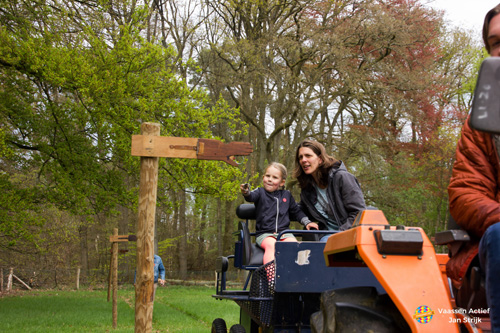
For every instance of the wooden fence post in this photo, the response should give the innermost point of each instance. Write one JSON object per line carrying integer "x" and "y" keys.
{"x": 78, "y": 278}
{"x": 145, "y": 236}
{"x": 9, "y": 280}
{"x": 115, "y": 279}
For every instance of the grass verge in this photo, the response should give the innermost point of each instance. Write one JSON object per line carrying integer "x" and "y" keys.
{"x": 176, "y": 309}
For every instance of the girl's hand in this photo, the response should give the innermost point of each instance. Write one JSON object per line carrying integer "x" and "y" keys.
{"x": 245, "y": 189}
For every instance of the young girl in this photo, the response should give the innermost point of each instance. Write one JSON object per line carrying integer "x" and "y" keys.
{"x": 274, "y": 208}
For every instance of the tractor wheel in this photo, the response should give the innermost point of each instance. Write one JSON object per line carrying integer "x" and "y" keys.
{"x": 359, "y": 309}
{"x": 219, "y": 326}
{"x": 237, "y": 328}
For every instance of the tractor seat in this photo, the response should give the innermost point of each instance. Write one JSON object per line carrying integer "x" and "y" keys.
{"x": 472, "y": 294}
{"x": 252, "y": 254}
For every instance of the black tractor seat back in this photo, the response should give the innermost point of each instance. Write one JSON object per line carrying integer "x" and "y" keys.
{"x": 252, "y": 254}
{"x": 246, "y": 212}
{"x": 472, "y": 294}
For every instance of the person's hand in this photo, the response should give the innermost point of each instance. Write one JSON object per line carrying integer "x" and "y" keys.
{"x": 312, "y": 225}
{"x": 245, "y": 189}
{"x": 161, "y": 282}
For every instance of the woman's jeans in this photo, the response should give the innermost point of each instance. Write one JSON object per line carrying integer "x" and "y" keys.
{"x": 489, "y": 259}
{"x": 324, "y": 238}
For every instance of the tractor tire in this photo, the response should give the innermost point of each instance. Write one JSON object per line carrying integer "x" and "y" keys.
{"x": 237, "y": 328}
{"x": 219, "y": 326}
{"x": 358, "y": 309}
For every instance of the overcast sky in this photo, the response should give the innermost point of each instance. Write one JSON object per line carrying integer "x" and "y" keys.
{"x": 466, "y": 13}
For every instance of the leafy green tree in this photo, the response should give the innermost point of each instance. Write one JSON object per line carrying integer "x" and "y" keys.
{"x": 77, "y": 80}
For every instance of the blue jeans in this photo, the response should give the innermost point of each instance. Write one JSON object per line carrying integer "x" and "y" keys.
{"x": 489, "y": 259}
{"x": 324, "y": 238}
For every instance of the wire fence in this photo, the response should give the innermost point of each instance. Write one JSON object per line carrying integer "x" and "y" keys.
{"x": 98, "y": 278}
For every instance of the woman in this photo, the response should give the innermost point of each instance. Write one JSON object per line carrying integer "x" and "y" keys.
{"x": 330, "y": 195}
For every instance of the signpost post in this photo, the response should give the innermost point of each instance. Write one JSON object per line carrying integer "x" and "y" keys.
{"x": 113, "y": 268}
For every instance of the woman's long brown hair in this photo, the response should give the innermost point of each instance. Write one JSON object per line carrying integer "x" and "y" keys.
{"x": 486, "y": 25}
{"x": 323, "y": 169}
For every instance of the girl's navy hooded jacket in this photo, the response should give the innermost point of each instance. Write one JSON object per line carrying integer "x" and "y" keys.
{"x": 275, "y": 210}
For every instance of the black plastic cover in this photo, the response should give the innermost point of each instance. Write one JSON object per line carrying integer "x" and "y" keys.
{"x": 485, "y": 112}
{"x": 403, "y": 242}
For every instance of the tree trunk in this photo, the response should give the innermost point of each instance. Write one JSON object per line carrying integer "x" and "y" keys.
{"x": 220, "y": 250}
{"x": 84, "y": 253}
{"x": 200, "y": 258}
{"x": 229, "y": 214}
{"x": 126, "y": 227}
{"x": 183, "y": 251}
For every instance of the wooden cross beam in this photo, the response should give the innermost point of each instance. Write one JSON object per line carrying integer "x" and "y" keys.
{"x": 150, "y": 146}
{"x": 202, "y": 149}
{"x": 122, "y": 238}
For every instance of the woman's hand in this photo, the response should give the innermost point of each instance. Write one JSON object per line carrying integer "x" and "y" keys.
{"x": 312, "y": 225}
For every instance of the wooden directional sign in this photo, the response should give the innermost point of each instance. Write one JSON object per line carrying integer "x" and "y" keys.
{"x": 202, "y": 149}
{"x": 150, "y": 146}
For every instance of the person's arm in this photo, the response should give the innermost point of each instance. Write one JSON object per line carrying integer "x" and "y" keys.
{"x": 352, "y": 197}
{"x": 161, "y": 271}
{"x": 303, "y": 207}
{"x": 297, "y": 214}
{"x": 251, "y": 196}
{"x": 474, "y": 183}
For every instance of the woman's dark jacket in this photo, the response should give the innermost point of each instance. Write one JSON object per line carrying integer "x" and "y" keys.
{"x": 345, "y": 199}
{"x": 268, "y": 204}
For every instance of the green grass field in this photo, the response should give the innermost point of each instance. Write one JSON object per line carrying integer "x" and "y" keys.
{"x": 176, "y": 309}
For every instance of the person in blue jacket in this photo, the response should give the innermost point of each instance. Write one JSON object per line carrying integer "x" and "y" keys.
{"x": 275, "y": 208}
{"x": 159, "y": 274}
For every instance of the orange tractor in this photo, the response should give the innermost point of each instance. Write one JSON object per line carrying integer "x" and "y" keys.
{"x": 373, "y": 277}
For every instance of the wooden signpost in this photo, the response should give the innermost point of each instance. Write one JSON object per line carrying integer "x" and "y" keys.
{"x": 150, "y": 147}
{"x": 202, "y": 149}
{"x": 113, "y": 268}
